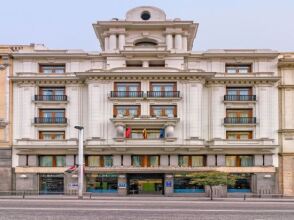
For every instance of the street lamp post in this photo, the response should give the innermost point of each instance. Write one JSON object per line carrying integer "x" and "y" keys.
{"x": 81, "y": 161}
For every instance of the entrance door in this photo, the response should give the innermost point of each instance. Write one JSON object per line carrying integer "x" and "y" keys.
{"x": 51, "y": 184}
{"x": 145, "y": 183}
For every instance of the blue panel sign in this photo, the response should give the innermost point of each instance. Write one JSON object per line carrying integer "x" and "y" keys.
{"x": 122, "y": 185}
{"x": 168, "y": 184}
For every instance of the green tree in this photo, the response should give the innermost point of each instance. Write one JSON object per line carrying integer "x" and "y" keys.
{"x": 212, "y": 178}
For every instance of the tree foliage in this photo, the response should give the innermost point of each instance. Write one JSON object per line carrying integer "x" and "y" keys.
{"x": 213, "y": 178}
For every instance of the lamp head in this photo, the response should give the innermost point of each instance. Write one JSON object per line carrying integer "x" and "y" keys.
{"x": 79, "y": 127}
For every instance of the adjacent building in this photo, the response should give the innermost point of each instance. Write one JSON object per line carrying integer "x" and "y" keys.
{"x": 153, "y": 111}
{"x": 286, "y": 131}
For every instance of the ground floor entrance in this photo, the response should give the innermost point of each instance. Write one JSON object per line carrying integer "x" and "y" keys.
{"x": 51, "y": 184}
{"x": 145, "y": 183}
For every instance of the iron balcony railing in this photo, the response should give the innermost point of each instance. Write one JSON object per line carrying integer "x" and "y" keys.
{"x": 49, "y": 120}
{"x": 50, "y": 98}
{"x": 126, "y": 94}
{"x": 163, "y": 94}
{"x": 240, "y": 120}
{"x": 240, "y": 97}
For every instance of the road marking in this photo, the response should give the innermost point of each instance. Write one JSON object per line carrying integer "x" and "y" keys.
{"x": 261, "y": 211}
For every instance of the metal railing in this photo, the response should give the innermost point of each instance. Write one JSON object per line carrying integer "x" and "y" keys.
{"x": 240, "y": 97}
{"x": 240, "y": 120}
{"x": 163, "y": 94}
{"x": 123, "y": 94}
{"x": 50, "y": 120}
{"x": 50, "y": 98}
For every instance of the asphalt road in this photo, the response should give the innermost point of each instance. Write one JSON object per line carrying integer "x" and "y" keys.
{"x": 143, "y": 209}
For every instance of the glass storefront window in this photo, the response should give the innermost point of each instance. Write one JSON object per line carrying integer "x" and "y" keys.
{"x": 242, "y": 184}
{"x": 101, "y": 183}
{"x": 183, "y": 185}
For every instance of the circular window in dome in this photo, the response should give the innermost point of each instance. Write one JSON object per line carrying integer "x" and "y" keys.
{"x": 145, "y": 15}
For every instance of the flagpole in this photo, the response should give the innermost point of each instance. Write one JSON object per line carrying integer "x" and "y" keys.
{"x": 81, "y": 161}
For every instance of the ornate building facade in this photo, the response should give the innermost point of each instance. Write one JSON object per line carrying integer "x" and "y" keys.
{"x": 153, "y": 111}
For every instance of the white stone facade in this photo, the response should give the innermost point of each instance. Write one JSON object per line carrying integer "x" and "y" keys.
{"x": 147, "y": 51}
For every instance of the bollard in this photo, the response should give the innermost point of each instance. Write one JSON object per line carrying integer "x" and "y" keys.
{"x": 23, "y": 194}
{"x": 90, "y": 195}
{"x": 244, "y": 197}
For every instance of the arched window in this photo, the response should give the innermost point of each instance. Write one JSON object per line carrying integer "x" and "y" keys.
{"x": 146, "y": 43}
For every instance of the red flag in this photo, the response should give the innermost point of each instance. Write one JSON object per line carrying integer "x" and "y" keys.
{"x": 71, "y": 169}
{"x": 128, "y": 132}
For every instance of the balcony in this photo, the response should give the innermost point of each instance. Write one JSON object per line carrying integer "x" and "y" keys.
{"x": 240, "y": 98}
{"x": 126, "y": 94}
{"x": 163, "y": 94}
{"x": 240, "y": 121}
{"x": 50, "y": 98}
{"x": 50, "y": 120}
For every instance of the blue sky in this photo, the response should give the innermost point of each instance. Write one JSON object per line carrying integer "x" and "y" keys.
{"x": 227, "y": 24}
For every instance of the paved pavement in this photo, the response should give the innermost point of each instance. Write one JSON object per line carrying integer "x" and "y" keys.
{"x": 145, "y": 208}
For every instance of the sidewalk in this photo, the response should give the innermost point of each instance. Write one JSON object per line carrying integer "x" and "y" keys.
{"x": 145, "y": 198}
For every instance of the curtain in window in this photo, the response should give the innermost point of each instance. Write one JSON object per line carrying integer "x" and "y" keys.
{"x": 136, "y": 161}
{"x": 231, "y": 161}
{"x": 94, "y": 161}
{"x": 183, "y": 161}
{"x": 197, "y": 161}
{"x": 246, "y": 161}
{"x": 46, "y": 161}
{"x": 107, "y": 161}
{"x": 154, "y": 161}
{"x": 60, "y": 161}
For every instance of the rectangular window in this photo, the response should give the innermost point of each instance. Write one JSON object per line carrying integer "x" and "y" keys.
{"x": 52, "y": 68}
{"x": 238, "y": 68}
{"x": 146, "y": 133}
{"x": 52, "y": 91}
{"x": 52, "y": 113}
{"x": 163, "y": 89}
{"x": 239, "y": 91}
{"x": 52, "y": 161}
{"x": 145, "y": 160}
{"x": 99, "y": 161}
{"x": 239, "y": 160}
{"x": 51, "y": 135}
{"x": 242, "y": 184}
{"x": 163, "y": 110}
{"x": 125, "y": 89}
{"x": 126, "y": 110}
{"x": 239, "y": 113}
{"x": 191, "y": 161}
{"x": 239, "y": 135}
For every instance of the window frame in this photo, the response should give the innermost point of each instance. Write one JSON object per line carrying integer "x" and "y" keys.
{"x": 56, "y": 65}
{"x": 115, "y": 108}
{"x": 238, "y": 67}
{"x": 163, "y": 110}
{"x": 53, "y": 134}
{"x": 204, "y": 160}
{"x": 54, "y": 160}
{"x": 238, "y": 134}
